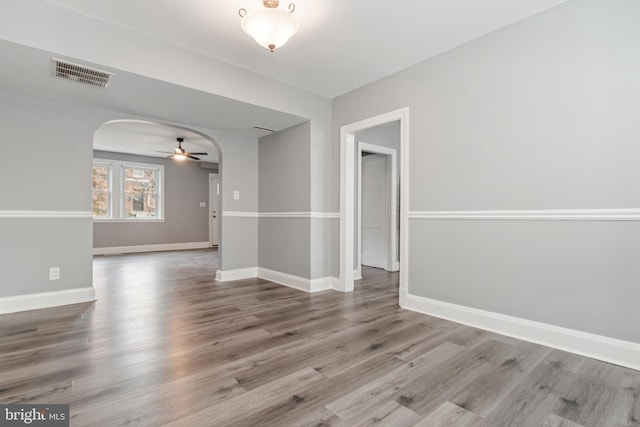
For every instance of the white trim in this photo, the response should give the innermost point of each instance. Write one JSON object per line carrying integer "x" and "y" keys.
{"x": 27, "y": 302}
{"x": 239, "y": 274}
{"x": 324, "y": 215}
{"x": 536, "y": 215}
{"x": 347, "y": 197}
{"x": 7, "y": 214}
{"x": 296, "y": 282}
{"x": 321, "y": 284}
{"x": 347, "y": 226}
{"x": 116, "y": 250}
{"x": 123, "y": 220}
{"x": 599, "y": 347}
{"x": 233, "y": 214}
{"x": 214, "y": 193}
{"x": 312, "y": 215}
{"x": 391, "y": 233}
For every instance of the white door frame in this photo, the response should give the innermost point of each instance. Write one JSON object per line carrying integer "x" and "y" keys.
{"x": 391, "y": 229}
{"x": 347, "y": 196}
{"x": 211, "y": 204}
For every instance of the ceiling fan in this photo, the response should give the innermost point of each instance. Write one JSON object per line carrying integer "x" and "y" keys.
{"x": 180, "y": 153}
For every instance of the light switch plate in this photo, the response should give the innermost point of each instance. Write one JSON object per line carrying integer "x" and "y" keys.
{"x": 203, "y": 204}
{"x": 236, "y": 195}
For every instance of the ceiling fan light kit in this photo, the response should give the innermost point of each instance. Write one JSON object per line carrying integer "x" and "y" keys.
{"x": 270, "y": 27}
{"x": 180, "y": 153}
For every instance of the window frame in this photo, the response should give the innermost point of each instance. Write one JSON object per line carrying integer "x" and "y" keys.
{"x": 118, "y": 194}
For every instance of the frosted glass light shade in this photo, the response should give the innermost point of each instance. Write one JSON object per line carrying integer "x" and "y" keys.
{"x": 270, "y": 27}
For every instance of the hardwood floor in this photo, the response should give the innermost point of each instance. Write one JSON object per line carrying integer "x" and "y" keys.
{"x": 166, "y": 344}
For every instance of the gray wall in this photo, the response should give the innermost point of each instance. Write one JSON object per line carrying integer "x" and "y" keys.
{"x": 53, "y": 176}
{"x": 56, "y": 177}
{"x": 284, "y": 170}
{"x": 186, "y": 184}
{"x": 539, "y": 115}
{"x": 284, "y": 183}
{"x": 238, "y": 172}
{"x": 195, "y": 71}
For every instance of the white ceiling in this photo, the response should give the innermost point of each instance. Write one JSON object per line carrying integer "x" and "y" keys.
{"x": 151, "y": 139}
{"x": 341, "y": 44}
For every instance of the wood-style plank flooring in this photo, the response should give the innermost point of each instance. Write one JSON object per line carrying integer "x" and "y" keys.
{"x": 167, "y": 345}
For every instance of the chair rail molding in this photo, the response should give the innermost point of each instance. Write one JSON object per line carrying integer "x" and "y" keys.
{"x": 42, "y": 214}
{"x": 312, "y": 215}
{"x": 532, "y": 215}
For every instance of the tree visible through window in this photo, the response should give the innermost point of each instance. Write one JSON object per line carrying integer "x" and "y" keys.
{"x": 127, "y": 191}
{"x": 101, "y": 191}
{"x": 140, "y": 192}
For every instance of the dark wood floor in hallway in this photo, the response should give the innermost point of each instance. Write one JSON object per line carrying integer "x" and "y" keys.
{"x": 167, "y": 345}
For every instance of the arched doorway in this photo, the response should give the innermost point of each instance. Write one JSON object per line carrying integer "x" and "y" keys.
{"x": 145, "y": 197}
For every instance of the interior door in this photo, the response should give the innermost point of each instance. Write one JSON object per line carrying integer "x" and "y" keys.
{"x": 214, "y": 209}
{"x": 374, "y": 210}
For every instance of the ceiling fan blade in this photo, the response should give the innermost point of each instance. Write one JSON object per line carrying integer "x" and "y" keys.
{"x": 200, "y": 154}
{"x": 164, "y": 152}
{"x": 192, "y": 157}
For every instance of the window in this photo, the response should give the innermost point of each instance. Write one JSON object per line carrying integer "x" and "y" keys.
{"x": 140, "y": 192}
{"x": 124, "y": 191}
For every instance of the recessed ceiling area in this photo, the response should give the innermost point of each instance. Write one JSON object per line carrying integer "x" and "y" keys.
{"x": 151, "y": 139}
{"x": 341, "y": 44}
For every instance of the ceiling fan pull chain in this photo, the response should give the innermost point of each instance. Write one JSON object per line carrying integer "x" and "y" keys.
{"x": 292, "y": 7}
{"x": 242, "y": 12}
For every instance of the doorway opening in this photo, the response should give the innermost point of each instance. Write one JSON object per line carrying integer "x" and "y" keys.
{"x": 348, "y": 197}
{"x": 377, "y": 224}
{"x": 214, "y": 210}
{"x": 154, "y": 199}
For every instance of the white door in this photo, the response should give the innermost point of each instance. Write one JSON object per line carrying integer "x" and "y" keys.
{"x": 374, "y": 210}
{"x": 214, "y": 209}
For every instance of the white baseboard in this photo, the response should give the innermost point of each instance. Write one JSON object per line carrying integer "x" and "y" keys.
{"x": 27, "y": 302}
{"x": 296, "y": 282}
{"x": 239, "y": 274}
{"x": 116, "y": 250}
{"x": 599, "y": 347}
{"x": 322, "y": 284}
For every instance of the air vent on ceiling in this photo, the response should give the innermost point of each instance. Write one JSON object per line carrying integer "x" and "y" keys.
{"x": 267, "y": 130}
{"x": 80, "y": 73}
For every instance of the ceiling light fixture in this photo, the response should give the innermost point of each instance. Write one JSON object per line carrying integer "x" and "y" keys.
{"x": 270, "y": 27}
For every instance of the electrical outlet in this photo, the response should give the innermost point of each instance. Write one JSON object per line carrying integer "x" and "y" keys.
{"x": 54, "y": 273}
{"x": 236, "y": 195}
{"x": 203, "y": 204}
